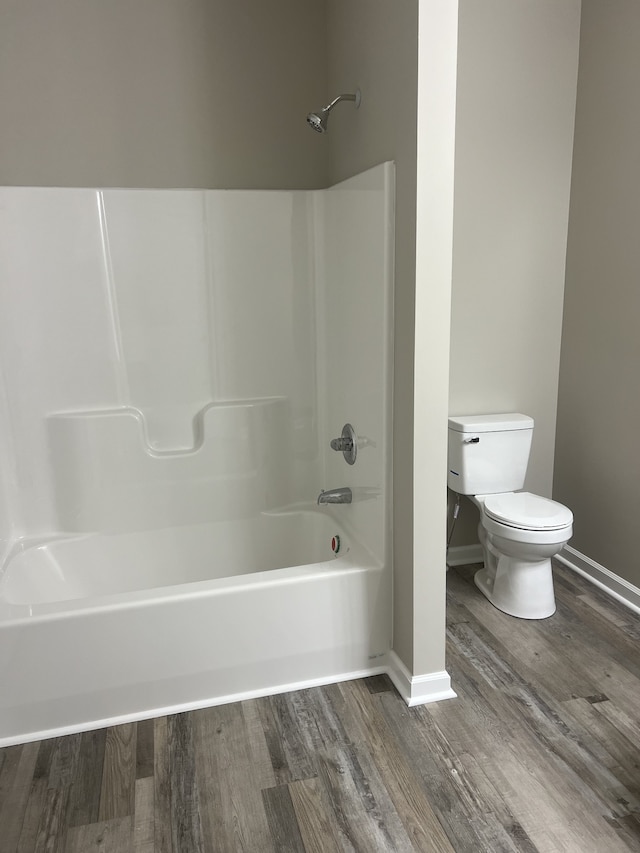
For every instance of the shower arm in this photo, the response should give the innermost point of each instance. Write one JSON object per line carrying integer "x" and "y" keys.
{"x": 337, "y": 100}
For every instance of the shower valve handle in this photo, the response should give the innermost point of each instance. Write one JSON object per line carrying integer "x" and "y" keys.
{"x": 347, "y": 444}
{"x": 342, "y": 444}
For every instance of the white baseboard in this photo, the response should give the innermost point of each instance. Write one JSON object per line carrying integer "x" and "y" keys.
{"x": 464, "y": 555}
{"x": 415, "y": 690}
{"x": 615, "y": 586}
{"x": 418, "y": 689}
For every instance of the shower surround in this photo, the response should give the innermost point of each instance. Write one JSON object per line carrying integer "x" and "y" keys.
{"x": 173, "y": 366}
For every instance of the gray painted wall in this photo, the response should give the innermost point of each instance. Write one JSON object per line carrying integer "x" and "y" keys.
{"x": 161, "y": 93}
{"x": 517, "y": 71}
{"x": 596, "y": 470}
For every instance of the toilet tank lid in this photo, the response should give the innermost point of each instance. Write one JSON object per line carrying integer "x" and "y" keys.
{"x": 490, "y": 423}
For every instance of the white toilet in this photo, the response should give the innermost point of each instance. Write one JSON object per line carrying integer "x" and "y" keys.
{"x": 519, "y": 532}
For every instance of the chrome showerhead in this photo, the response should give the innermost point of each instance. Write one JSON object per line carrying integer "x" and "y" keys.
{"x": 318, "y": 121}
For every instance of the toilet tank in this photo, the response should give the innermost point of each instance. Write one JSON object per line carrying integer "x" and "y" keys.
{"x": 488, "y": 453}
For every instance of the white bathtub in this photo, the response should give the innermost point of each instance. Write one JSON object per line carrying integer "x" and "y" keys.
{"x": 100, "y": 629}
{"x": 175, "y": 372}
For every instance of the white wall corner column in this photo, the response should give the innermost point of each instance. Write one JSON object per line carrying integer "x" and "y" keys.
{"x": 426, "y": 678}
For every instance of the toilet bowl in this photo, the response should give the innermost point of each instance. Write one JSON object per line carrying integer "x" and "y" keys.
{"x": 519, "y": 533}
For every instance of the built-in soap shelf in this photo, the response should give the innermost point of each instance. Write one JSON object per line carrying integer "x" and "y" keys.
{"x": 106, "y": 476}
{"x": 197, "y": 421}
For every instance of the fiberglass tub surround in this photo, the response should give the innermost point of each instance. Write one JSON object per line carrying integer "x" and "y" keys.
{"x": 174, "y": 366}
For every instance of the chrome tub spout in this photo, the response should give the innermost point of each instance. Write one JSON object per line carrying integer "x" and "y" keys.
{"x": 335, "y": 496}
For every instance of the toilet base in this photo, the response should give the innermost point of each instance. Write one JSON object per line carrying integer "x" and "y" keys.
{"x": 519, "y": 588}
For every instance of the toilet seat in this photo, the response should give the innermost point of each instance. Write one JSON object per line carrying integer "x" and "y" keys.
{"x": 525, "y": 511}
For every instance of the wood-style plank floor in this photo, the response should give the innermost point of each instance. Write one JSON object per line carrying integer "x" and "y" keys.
{"x": 540, "y": 752}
